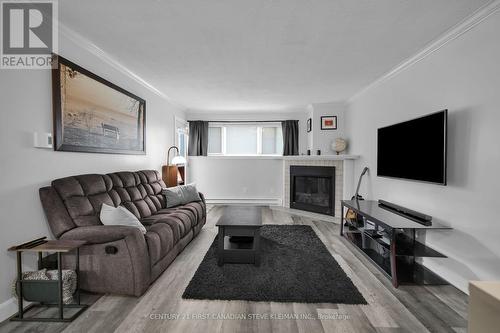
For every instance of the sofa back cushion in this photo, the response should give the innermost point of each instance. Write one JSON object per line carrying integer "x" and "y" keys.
{"x": 140, "y": 192}
{"x": 83, "y": 196}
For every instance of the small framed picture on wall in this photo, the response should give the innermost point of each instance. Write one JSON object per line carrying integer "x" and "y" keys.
{"x": 329, "y": 122}
{"x": 309, "y": 125}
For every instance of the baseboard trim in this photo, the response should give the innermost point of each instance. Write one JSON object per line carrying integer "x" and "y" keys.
{"x": 245, "y": 201}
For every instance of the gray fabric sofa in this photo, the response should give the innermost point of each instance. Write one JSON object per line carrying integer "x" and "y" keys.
{"x": 120, "y": 259}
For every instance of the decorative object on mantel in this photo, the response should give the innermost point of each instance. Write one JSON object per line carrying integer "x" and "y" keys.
{"x": 318, "y": 152}
{"x": 309, "y": 125}
{"x": 309, "y": 152}
{"x": 174, "y": 173}
{"x": 94, "y": 115}
{"x": 339, "y": 145}
{"x": 329, "y": 123}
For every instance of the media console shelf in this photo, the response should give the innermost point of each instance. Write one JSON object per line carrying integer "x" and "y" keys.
{"x": 392, "y": 242}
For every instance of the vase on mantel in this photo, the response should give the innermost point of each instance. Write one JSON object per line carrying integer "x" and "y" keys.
{"x": 339, "y": 145}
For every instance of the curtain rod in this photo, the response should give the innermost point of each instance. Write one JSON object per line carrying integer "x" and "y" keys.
{"x": 241, "y": 121}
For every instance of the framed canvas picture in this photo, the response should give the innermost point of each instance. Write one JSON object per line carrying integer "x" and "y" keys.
{"x": 329, "y": 122}
{"x": 94, "y": 115}
{"x": 309, "y": 125}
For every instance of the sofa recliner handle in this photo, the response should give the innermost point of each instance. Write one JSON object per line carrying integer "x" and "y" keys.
{"x": 110, "y": 249}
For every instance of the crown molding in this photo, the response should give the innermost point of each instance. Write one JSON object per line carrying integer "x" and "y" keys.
{"x": 456, "y": 31}
{"x": 107, "y": 58}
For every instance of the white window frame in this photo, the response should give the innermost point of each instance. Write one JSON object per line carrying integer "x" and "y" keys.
{"x": 181, "y": 127}
{"x": 259, "y": 126}
{"x": 222, "y": 139}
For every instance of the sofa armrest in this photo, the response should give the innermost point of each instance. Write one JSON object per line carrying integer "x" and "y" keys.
{"x": 102, "y": 233}
{"x": 99, "y": 268}
{"x": 202, "y": 197}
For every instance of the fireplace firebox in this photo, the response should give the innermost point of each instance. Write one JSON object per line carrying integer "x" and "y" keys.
{"x": 312, "y": 188}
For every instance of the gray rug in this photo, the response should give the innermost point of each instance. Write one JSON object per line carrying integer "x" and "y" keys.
{"x": 295, "y": 267}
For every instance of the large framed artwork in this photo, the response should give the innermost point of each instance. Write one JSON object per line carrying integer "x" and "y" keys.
{"x": 94, "y": 115}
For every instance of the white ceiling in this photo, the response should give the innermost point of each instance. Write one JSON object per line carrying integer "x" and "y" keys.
{"x": 261, "y": 54}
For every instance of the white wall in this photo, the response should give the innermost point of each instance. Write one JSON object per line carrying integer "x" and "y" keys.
{"x": 256, "y": 179}
{"x": 238, "y": 179}
{"x": 464, "y": 77}
{"x": 26, "y": 108}
{"x": 322, "y": 139}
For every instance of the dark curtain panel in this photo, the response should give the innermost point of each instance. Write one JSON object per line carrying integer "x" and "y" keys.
{"x": 290, "y": 137}
{"x": 198, "y": 138}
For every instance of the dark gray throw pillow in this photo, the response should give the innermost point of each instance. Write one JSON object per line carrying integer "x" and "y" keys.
{"x": 180, "y": 195}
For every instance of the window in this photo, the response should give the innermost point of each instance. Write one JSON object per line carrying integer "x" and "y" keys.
{"x": 245, "y": 139}
{"x": 215, "y": 140}
{"x": 241, "y": 140}
{"x": 182, "y": 142}
{"x": 181, "y": 136}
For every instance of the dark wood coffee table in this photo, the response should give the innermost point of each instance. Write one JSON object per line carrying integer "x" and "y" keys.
{"x": 239, "y": 235}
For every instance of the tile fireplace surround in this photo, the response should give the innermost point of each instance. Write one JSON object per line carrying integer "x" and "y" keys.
{"x": 344, "y": 175}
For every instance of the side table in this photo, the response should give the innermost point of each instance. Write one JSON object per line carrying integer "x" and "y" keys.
{"x": 51, "y": 289}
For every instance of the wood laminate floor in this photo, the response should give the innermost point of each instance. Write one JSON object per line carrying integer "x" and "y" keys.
{"x": 161, "y": 308}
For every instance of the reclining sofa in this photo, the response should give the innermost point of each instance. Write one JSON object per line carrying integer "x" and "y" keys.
{"x": 120, "y": 259}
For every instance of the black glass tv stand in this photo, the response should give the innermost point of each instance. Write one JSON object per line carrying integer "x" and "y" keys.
{"x": 392, "y": 242}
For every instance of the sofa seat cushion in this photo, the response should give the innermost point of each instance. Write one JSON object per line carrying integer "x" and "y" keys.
{"x": 181, "y": 222}
{"x": 160, "y": 239}
{"x": 196, "y": 210}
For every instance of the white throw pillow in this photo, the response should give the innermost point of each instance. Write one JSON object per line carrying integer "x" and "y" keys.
{"x": 119, "y": 216}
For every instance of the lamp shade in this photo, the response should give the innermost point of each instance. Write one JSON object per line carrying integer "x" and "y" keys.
{"x": 178, "y": 160}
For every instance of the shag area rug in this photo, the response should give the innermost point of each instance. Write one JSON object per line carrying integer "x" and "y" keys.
{"x": 295, "y": 267}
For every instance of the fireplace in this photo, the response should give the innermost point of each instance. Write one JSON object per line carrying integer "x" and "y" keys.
{"x": 312, "y": 188}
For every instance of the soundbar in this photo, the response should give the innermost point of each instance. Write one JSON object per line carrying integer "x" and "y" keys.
{"x": 406, "y": 212}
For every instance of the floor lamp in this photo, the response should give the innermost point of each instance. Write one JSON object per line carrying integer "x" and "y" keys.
{"x": 174, "y": 173}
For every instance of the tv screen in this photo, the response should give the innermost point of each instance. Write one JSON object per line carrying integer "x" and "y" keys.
{"x": 414, "y": 149}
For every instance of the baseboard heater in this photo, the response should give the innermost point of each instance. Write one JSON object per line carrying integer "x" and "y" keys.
{"x": 245, "y": 201}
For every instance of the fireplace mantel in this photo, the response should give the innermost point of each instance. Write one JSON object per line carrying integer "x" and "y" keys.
{"x": 320, "y": 157}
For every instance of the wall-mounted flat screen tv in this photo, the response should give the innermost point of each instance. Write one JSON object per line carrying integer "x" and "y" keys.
{"x": 414, "y": 149}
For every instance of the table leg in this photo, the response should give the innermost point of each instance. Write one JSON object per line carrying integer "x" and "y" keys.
{"x": 77, "y": 276}
{"x": 342, "y": 220}
{"x": 60, "y": 282}
{"x": 220, "y": 248}
{"x": 256, "y": 245}
{"x": 19, "y": 285}
{"x": 40, "y": 258}
{"x": 394, "y": 269}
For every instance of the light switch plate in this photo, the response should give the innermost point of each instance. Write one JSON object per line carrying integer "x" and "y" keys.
{"x": 42, "y": 140}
